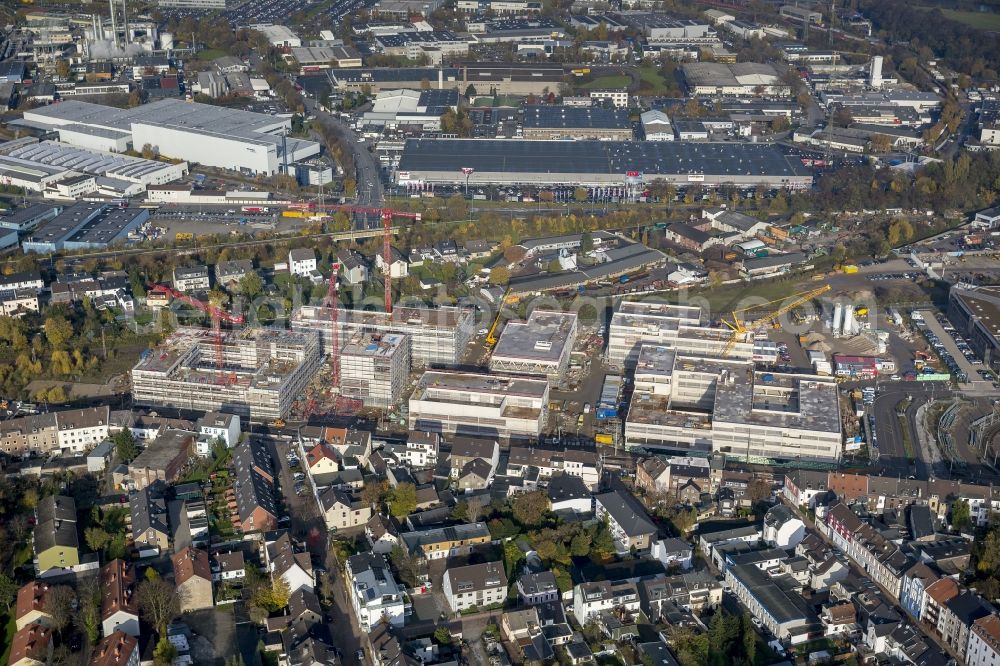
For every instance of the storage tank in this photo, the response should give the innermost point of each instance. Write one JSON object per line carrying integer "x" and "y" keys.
{"x": 838, "y": 318}
{"x": 166, "y": 41}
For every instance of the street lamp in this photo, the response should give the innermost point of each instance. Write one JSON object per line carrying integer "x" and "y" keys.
{"x": 468, "y": 171}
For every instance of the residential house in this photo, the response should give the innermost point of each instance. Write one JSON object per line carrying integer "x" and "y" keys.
{"x": 569, "y": 494}
{"x": 82, "y": 429}
{"x": 229, "y": 273}
{"x": 119, "y": 609}
{"x": 216, "y": 426}
{"x": 537, "y": 588}
{"x": 825, "y": 567}
{"x": 630, "y": 525}
{"x": 784, "y": 613}
{"x": 464, "y": 450}
{"x": 31, "y": 646}
{"x": 592, "y": 599}
{"x": 322, "y": 463}
{"x": 802, "y": 486}
{"x": 150, "y": 524}
{"x": 782, "y": 528}
{"x": 672, "y": 552}
{"x": 303, "y": 612}
{"x": 399, "y": 268}
{"x": 284, "y": 561}
{"x": 984, "y": 642}
{"x": 353, "y": 267}
{"x": 302, "y": 261}
{"x": 116, "y": 649}
{"x": 475, "y": 585}
{"x": 342, "y": 510}
{"x": 550, "y": 462}
{"x": 936, "y": 598}
{"x": 375, "y": 594}
{"x": 30, "y": 607}
{"x": 420, "y": 450}
{"x": 193, "y": 579}
{"x": 522, "y": 629}
{"x": 443, "y": 542}
{"x": 56, "y": 543}
{"x": 475, "y": 475}
{"x": 382, "y": 534}
{"x": 228, "y": 566}
{"x": 691, "y": 592}
{"x": 191, "y": 278}
{"x": 653, "y": 475}
{"x": 162, "y": 459}
{"x": 838, "y": 619}
{"x": 913, "y": 589}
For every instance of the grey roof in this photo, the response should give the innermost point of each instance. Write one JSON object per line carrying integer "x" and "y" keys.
{"x": 774, "y": 260}
{"x": 687, "y": 231}
{"x": 575, "y": 157}
{"x": 56, "y": 523}
{"x": 920, "y": 521}
{"x": 657, "y": 653}
{"x": 537, "y": 583}
{"x": 564, "y": 487}
{"x": 627, "y": 512}
{"x": 149, "y": 511}
{"x": 781, "y": 605}
{"x": 575, "y": 117}
{"x": 480, "y": 576}
{"x": 969, "y": 607}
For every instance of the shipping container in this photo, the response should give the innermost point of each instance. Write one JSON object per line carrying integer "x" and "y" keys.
{"x": 604, "y": 439}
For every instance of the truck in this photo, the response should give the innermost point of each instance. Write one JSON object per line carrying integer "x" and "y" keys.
{"x": 183, "y": 235}
{"x": 256, "y": 210}
{"x": 295, "y": 213}
{"x": 607, "y": 413}
{"x": 730, "y": 256}
{"x": 848, "y": 269}
{"x": 604, "y": 439}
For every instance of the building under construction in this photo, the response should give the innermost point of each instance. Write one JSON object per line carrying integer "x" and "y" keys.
{"x": 539, "y": 346}
{"x": 438, "y": 336}
{"x": 374, "y": 368}
{"x": 261, "y": 371}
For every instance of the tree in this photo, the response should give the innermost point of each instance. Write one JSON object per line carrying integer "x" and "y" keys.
{"x": 403, "y": 500}
{"x": 442, "y": 636}
{"x": 586, "y": 242}
{"x": 758, "y": 491}
{"x": 97, "y": 538}
{"x": 470, "y": 91}
{"x": 251, "y": 285}
{"x": 900, "y": 231}
{"x": 580, "y": 194}
{"x": 881, "y": 143}
{"x": 62, "y": 69}
{"x": 148, "y": 152}
{"x": 989, "y": 552}
{"x": 88, "y": 615}
{"x": 780, "y": 124}
{"x": 842, "y": 117}
{"x": 158, "y": 602}
{"x": 164, "y": 653}
{"x": 530, "y": 508}
{"x": 499, "y": 275}
{"x": 125, "y": 447}
{"x": 58, "y": 331}
{"x": 59, "y": 604}
{"x": 580, "y": 545}
{"x": 554, "y": 266}
{"x": 374, "y": 492}
{"x": 961, "y": 516}
{"x": 8, "y": 590}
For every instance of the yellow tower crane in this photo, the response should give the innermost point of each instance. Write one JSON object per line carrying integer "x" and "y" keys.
{"x": 491, "y": 338}
{"x": 740, "y": 327}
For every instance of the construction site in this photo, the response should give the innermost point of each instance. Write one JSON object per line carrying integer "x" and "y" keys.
{"x": 254, "y": 372}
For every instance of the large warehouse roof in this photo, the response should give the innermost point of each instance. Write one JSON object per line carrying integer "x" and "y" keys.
{"x": 90, "y": 161}
{"x": 740, "y": 161}
{"x": 575, "y": 117}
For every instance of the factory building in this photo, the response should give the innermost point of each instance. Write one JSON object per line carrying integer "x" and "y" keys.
{"x": 745, "y": 79}
{"x": 574, "y": 122}
{"x": 488, "y": 78}
{"x": 674, "y": 327}
{"x": 479, "y": 405}
{"x": 85, "y": 226}
{"x": 437, "y": 336}
{"x": 251, "y": 143}
{"x": 599, "y": 163}
{"x": 263, "y": 372}
{"x": 30, "y": 175}
{"x": 685, "y": 402}
{"x": 976, "y": 315}
{"x": 374, "y": 368}
{"x": 96, "y": 162}
{"x": 539, "y": 346}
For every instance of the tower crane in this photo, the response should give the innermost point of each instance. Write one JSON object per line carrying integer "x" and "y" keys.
{"x": 386, "y": 214}
{"x": 740, "y": 327}
{"x": 218, "y": 316}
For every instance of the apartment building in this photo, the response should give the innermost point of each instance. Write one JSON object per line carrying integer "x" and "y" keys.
{"x": 984, "y": 642}
{"x": 375, "y": 368}
{"x": 475, "y": 585}
{"x": 116, "y": 649}
{"x": 573, "y": 462}
{"x": 375, "y": 594}
{"x": 119, "y": 608}
{"x": 629, "y": 523}
{"x": 150, "y": 525}
{"x": 253, "y": 489}
{"x": 784, "y": 613}
{"x": 342, "y": 510}
{"x": 438, "y": 336}
{"x": 592, "y": 599}
{"x": 55, "y": 539}
{"x": 479, "y": 405}
{"x": 162, "y": 459}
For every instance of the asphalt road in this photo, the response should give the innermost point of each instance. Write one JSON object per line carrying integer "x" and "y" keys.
{"x": 368, "y": 172}
{"x": 892, "y": 455}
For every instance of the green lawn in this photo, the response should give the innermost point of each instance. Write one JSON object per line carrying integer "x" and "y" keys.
{"x": 978, "y": 20}
{"x": 652, "y": 77}
{"x": 9, "y": 627}
{"x": 211, "y": 54}
{"x": 610, "y": 81}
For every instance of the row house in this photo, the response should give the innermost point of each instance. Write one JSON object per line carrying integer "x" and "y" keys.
{"x": 549, "y": 462}
{"x": 881, "y": 559}
{"x": 984, "y": 642}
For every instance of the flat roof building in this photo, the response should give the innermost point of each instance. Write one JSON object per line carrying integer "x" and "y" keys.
{"x": 539, "y": 346}
{"x": 98, "y": 162}
{"x": 375, "y": 367}
{"x": 83, "y": 226}
{"x": 575, "y": 122}
{"x": 263, "y": 371}
{"x": 438, "y": 336}
{"x": 596, "y": 163}
{"x": 479, "y": 405}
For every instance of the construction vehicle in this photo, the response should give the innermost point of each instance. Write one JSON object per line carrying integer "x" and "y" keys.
{"x": 848, "y": 269}
{"x": 278, "y": 423}
{"x": 183, "y": 236}
{"x": 861, "y": 311}
{"x": 604, "y": 439}
{"x": 491, "y": 338}
{"x": 739, "y": 327}
{"x": 218, "y": 315}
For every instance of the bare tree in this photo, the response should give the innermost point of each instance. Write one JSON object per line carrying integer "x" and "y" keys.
{"x": 158, "y": 603}
{"x": 474, "y": 508}
{"x": 59, "y": 602}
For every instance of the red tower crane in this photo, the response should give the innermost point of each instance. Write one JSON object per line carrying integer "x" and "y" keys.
{"x": 386, "y": 214}
{"x": 218, "y": 316}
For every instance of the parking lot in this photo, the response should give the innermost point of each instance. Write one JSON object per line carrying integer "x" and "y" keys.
{"x": 953, "y": 349}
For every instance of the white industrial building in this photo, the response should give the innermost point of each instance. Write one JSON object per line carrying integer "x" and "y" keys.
{"x": 392, "y": 108}
{"x": 438, "y": 336}
{"x": 30, "y": 175}
{"x": 97, "y": 162}
{"x": 251, "y": 143}
{"x": 675, "y": 327}
{"x": 656, "y": 126}
{"x": 479, "y": 405}
{"x": 539, "y": 346}
{"x": 374, "y": 368}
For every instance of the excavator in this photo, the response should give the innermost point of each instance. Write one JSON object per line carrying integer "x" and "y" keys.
{"x": 740, "y": 327}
